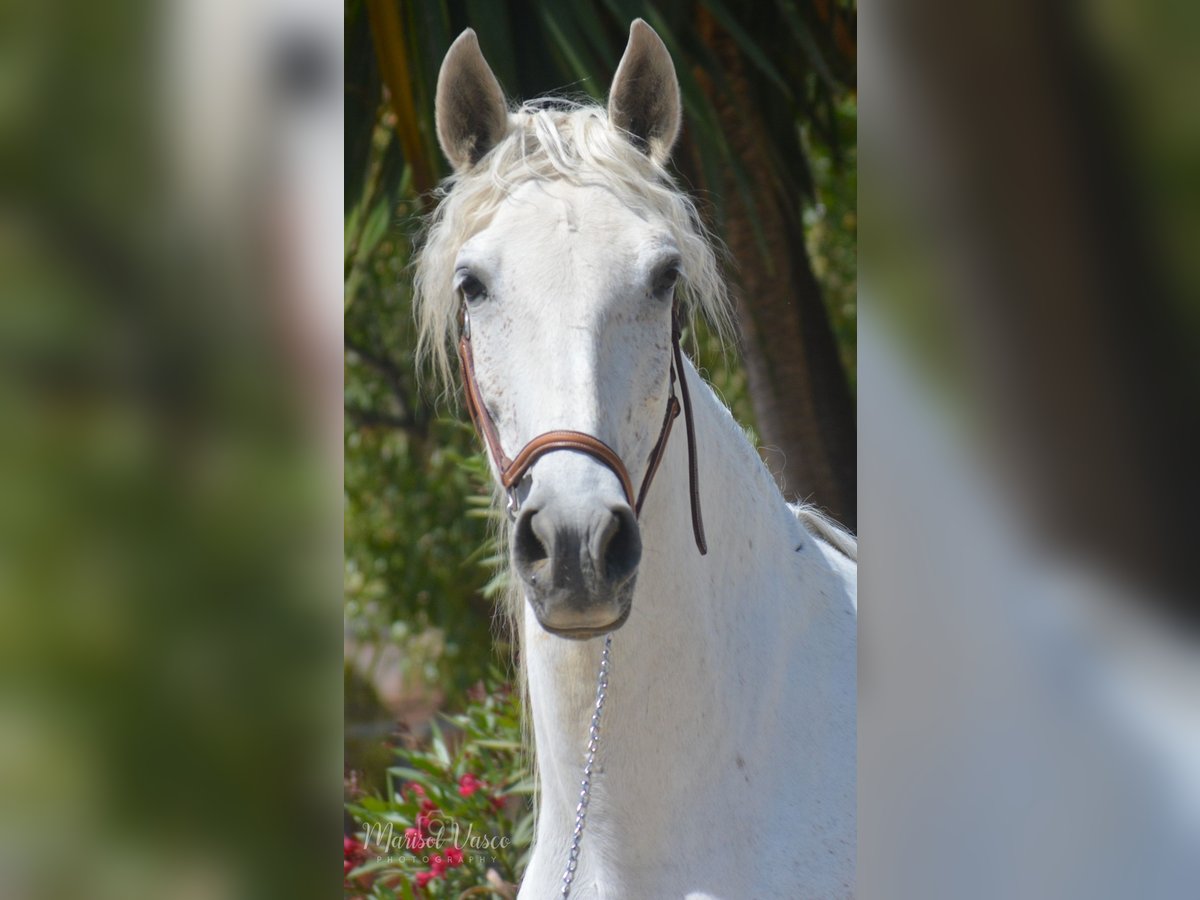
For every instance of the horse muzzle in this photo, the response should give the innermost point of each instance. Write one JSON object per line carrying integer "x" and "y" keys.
{"x": 578, "y": 566}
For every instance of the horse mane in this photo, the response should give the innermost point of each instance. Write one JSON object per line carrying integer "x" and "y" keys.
{"x": 825, "y": 528}
{"x": 554, "y": 139}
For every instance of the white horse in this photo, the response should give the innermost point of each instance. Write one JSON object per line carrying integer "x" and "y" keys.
{"x": 727, "y": 761}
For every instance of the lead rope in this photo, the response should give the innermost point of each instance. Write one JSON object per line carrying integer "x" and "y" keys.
{"x": 585, "y": 786}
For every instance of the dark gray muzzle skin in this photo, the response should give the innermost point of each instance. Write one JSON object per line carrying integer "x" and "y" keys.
{"x": 578, "y": 572}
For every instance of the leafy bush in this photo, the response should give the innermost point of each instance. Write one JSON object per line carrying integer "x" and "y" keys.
{"x": 457, "y": 815}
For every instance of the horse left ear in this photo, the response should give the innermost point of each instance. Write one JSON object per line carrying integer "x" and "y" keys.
{"x": 471, "y": 114}
{"x": 644, "y": 98}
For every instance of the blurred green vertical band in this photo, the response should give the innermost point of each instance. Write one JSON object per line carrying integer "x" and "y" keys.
{"x": 169, "y": 578}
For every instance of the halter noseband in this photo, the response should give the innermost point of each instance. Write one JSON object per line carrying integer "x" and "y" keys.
{"x": 513, "y": 470}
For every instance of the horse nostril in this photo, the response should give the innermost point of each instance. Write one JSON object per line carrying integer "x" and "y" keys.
{"x": 621, "y": 545}
{"x": 528, "y": 549}
{"x": 550, "y": 554}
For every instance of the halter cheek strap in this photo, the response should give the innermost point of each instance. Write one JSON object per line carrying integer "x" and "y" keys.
{"x": 514, "y": 469}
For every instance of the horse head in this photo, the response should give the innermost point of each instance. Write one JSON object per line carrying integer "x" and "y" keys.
{"x": 564, "y": 263}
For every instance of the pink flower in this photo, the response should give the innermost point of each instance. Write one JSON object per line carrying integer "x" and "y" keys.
{"x": 429, "y": 807}
{"x": 413, "y": 839}
{"x": 469, "y": 784}
{"x": 415, "y": 790}
{"x": 423, "y": 821}
{"x": 423, "y": 878}
{"x": 454, "y": 856}
{"x": 353, "y": 853}
{"x": 437, "y": 865}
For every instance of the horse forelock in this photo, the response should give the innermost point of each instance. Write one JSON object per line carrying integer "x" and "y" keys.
{"x": 554, "y": 139}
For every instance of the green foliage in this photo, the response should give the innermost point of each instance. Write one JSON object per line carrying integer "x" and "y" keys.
{"x": 831, "y": 230}
{"x": 466, "y": 789}
{"x": 417, "y": 553}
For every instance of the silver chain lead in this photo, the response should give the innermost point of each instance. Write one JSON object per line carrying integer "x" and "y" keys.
{"x": 585, "y": 786}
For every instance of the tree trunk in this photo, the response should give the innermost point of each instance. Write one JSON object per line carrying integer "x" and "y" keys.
{"x": 801, "y": 398}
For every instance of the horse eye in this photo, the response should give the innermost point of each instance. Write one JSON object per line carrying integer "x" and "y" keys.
{"x": 472, "y": 288}
{"x": 664, "y": 281}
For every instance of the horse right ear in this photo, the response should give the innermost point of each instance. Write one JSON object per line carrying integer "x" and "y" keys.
{"x": 644, "y": 98}
{"x": 471, "y": 114}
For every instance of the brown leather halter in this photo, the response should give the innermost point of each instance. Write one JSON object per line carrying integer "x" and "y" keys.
{"x": 513, "y": 470}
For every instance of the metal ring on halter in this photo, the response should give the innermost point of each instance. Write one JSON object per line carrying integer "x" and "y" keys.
{"x": 513, "y": 503}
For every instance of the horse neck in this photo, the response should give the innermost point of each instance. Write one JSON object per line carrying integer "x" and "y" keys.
{"x": 701, "y": 661}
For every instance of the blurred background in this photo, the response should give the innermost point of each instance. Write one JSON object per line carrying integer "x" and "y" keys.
{"x": 170, "y": 375}
{"x": 1029, "y": 693}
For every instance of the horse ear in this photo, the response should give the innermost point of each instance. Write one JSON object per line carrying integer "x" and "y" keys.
{"x": 644, "y": 98}
{"x": 471, "y": 114}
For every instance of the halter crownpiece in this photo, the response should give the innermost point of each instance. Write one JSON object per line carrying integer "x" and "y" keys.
{"x": 512, "y": 470}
